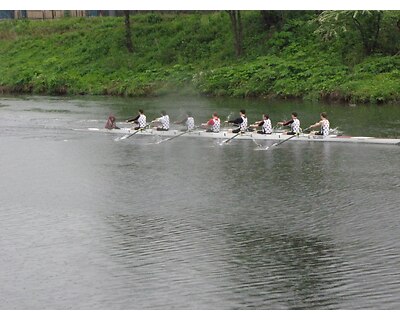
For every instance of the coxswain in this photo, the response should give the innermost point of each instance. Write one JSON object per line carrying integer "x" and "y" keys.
{"x": 140, "y": 120}
{"x": 110, "y": 124}
{"x": 162, "y": 123}
{"x": 213, "y": 125}
{"x": 294, "y": 124}
{"x": 188, "y": 122}
{"x": 241, "y": 122}
{"x": 265, "y": 124}
{"x": 323, "y": 124}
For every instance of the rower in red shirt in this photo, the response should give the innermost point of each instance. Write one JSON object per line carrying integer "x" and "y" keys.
{"x": 213, "y": 125}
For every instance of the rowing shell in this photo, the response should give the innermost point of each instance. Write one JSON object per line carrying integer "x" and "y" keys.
{"x": 253, "y": 136}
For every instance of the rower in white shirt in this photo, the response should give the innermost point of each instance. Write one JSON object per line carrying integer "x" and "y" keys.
{"x": 294, "y": 124}
{"x": 140, "y": 120}
{"x": 162, "y": 123}
{"x": 323, "y": 124}
{"x": 241, "y": 122}
{"x": 188, "y": 122}
{"x": 265, "y": 124}
{"x": 213, "y": 125}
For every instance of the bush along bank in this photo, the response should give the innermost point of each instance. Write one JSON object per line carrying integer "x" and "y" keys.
{"x": 190, "y": 54}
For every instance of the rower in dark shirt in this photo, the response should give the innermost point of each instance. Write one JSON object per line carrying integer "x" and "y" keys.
{"x": 241, "y": 122}
{"x": 140, "y": 119}
{"x": 293, "y": 123}
{"x": 188, "y": 122}
{"x": 265, "y": 124}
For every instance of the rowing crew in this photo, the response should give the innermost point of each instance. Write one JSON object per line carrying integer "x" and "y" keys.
{"x": 214, "y": 124}
{"x": 161, "y": 123}
{"x": 294, "y": 125}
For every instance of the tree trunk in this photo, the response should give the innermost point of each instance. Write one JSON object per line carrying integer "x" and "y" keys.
{"x": 364, "y": 38}
{"x": 128, "y": 33}
{"x": 370, "y": 38}
{"x": 378, "y": 29}
{"x": 271, "y": 18}
{"x": 240, "y": 33}
{"x": 237, "y": 28}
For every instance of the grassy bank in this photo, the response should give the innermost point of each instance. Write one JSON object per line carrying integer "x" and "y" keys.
{"x": 188, "y": 53}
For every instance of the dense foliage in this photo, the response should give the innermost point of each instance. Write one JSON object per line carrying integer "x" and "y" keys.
{"x": 312, "y": 55}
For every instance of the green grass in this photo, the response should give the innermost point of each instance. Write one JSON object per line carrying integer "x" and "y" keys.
{"x": 186, "y": 53}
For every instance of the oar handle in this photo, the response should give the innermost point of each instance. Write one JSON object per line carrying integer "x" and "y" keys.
{"x": 140, "y": 129}
{"x": 181, "y": 134}
{"x": 240, "y": 132}
{"x": 171, "y": 138}
{"x": 226, "y": 141}
{"x": 277, "y": 144}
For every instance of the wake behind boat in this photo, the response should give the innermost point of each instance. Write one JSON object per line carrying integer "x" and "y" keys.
{"x": 276, "y": 136}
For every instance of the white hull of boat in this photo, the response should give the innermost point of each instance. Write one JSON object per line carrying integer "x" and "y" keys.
{"x": 251, "y": 136}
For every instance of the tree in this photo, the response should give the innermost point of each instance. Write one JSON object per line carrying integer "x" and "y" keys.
{"x": 369, "y": 27}
{"x": 128, "y": 32}
{"x": 366, "y": 23}
{"x": 272, "y": 18}
{"x": 237, "y": 28}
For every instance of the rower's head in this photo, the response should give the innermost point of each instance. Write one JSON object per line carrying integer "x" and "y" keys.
{"x": 141, "y": 111}
{"x": 324, "y": 115}
{"x": 242, "y": 112}
{"x": 163, "y": 113}
{"x": 265, "y": 116}
{"x": 294, "y": 115}
{"x": 215, "y": 115}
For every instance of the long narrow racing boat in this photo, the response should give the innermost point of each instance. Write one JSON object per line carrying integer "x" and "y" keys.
{"x": 224, "y": 135}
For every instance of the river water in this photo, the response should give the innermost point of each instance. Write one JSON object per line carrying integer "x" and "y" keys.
{"x": 88, "y": 222}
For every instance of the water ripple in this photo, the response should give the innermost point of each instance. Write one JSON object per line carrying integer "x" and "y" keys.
{"x": 91, "y": 223}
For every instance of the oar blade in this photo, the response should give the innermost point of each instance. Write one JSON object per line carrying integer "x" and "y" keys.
{"x": 231, "y": 138}
{"x": 122, "y": 138}
{"x": 173, "y": 137}
{"x": 132, "y": 134}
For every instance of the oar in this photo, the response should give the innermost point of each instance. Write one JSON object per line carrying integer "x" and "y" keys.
{"x": 131, "y": 119}
{"x": 278, "y": 143}
{"x": 169, "y": 139}
{"x": 228, "y": 118}
{"x": 132, "y": 134}
{"x": 274, "y": 128}
{"x": 306, "y": 129}
{"x": 231, "y": 138}
{"x": 258, "y": 145}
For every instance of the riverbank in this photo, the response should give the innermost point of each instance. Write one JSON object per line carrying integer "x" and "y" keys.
{"x": 187, "y": 53}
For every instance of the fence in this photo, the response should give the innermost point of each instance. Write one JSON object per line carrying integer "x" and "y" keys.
{"x": 55, "y": 14}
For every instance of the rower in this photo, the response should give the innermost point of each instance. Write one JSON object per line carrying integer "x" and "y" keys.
{"x": 162, "y": 123}
{"x": 110, "y": 124}
{"x": 213, "y": 125}
{"x": 188, "y": 121}
{"x": 323, "y": 124}
{"x": 140, "y": 119}
{"x": 265, "y": 124}
{"x": 241, "y": 122}
{"x": 294, "y": 124}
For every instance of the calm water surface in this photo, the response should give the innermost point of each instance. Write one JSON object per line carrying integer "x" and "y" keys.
{"x": 91, "y": 223}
